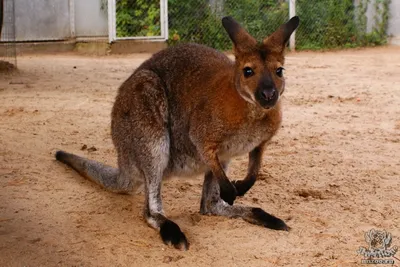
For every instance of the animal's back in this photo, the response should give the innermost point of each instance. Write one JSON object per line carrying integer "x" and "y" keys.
{"x": 191, "y": 75}
{"x": 189, "y": 65}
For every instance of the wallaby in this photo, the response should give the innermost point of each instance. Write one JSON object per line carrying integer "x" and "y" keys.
{"x": 188, "y": 110}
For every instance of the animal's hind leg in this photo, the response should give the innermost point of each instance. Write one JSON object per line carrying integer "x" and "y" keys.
{"x": 140, "y": 134}
{"x": 170, "y": 232}
{"x": 211, "y": 203}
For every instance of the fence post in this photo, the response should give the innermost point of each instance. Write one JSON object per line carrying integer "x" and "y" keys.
{"x": 72, "y": 17}
{"x": 164, "y": 18}
{"x": 292, "y": 13}
{"x": 112, "y": 30}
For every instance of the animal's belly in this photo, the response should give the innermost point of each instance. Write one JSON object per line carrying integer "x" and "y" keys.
{"x": 230, "y": 150}
{"x": 242, "y": 144}
{"x": 187, "y": 166}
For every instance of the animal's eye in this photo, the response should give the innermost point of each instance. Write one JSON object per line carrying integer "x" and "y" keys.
{"x": 248, "y": 72}
{"x": 279, "y": 71}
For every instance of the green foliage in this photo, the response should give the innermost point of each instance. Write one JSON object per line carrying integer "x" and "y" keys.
{"x": 198, "y": 21}
{"x": 259, "y": 17}
{"x": 138, "y": 18}
{"x": 325, "y": 24}
{"x": 195, "y": 21}
{"x": 378, "y": 35}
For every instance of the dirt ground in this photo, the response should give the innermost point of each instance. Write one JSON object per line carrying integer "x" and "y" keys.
{"x": 332, "y": 172}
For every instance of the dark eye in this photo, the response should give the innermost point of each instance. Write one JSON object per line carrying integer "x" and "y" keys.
{"x": 248, "y": 72}
{"x": 279, "y": 71}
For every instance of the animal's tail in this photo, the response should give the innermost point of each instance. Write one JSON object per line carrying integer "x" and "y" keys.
{"x": 106, "y": 176}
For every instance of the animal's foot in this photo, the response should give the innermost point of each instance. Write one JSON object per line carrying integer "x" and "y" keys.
{"x": 171, "y": 234}
{"x": 267, "y": 220}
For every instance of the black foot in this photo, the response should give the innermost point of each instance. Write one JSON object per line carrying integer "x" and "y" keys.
{"x": 268, "y": 220}
{"x": 242, "y": 186}
{"x": 61, "y": 156}
{"x": 227, "y": 191}
{"x": 171, "y": 234}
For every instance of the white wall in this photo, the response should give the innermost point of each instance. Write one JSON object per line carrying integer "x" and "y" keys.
{"x": 46, "y": 20}
{"x": 394, "y": 22}
{"x": 90, "y": 19}
{"x": 39, "y": 20}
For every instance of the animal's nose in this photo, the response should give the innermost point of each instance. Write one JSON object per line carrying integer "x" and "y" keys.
{"x": 268, "y": 94}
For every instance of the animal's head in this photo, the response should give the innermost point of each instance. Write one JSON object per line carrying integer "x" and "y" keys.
{"x": 259, "y": 66}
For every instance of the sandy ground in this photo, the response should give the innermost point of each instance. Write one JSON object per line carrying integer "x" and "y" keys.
{"x": 332, "y": 172}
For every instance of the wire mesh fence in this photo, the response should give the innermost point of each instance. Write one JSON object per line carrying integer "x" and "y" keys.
{"x": 8, "y": 57}
{"x": 138, "y": 18}
{"x": 200, "y": 21}
{"x": 341, "y": 24}
{"x": 325, "y": 24}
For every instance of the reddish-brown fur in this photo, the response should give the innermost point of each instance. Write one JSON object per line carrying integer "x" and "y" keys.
{"x": 188, "y": 110}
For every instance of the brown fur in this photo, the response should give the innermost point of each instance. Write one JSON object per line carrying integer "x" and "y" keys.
{"x": 188, "y": 110}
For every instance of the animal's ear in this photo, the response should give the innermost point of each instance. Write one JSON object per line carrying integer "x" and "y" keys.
{"x": 277, "y": 41}
{"x": 241, "y": 39}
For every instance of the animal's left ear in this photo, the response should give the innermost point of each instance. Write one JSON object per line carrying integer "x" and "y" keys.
{"x": 278, "y": 40}
{"x": 241, "y": 39}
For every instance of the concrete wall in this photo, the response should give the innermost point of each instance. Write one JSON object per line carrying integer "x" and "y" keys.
{"x": 39, "y": 20}
{"x": 90, "y": 19}
{"x": 394, "y": 23}
{"x": 394, "y": 20}
{"x": 46, "y": 20}
{"x": 8, "y": 31}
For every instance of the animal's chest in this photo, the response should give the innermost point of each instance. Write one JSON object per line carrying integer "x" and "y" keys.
{"x": 243, "y": 141}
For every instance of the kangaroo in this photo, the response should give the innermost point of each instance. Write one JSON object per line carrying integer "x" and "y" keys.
{"x": 188, "y": 110}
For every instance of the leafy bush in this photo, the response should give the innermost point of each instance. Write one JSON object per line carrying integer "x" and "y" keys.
{"x": 138, "y": 18}
{"x": 198, "y": 21}
{"x": 340, "y": 24}
{"x": 324, "y": 23}
{"x": 259, "y": 17}
{"x": 194, "y": 21}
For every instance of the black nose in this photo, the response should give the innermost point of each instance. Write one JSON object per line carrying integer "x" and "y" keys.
{"x": 268, "y": 94}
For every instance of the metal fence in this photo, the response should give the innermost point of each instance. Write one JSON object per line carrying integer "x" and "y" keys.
{"x": 341, "y": 24}
{"x": 138, "y": 19}
{"x": 325, "y": 24}
{"x": 200, "y": 21}
{"x": 8, "y": 57}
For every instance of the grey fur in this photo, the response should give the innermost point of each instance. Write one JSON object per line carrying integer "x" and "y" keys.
{"x": 175, "y": 117}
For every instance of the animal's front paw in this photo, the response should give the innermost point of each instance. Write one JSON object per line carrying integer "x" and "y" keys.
{"x": 228, "y": 192}
{"x": 242, "y": 186}
{"x": 171, "y": 234}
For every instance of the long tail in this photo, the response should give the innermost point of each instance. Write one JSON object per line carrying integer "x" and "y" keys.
{"x": 104, "y": 175}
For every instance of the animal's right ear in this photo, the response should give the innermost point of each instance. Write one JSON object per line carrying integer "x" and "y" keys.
{"x": 277, "y": 41}
{"x": 241, "y": 39}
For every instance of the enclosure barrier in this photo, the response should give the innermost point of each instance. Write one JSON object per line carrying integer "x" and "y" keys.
{"x": 325, "y": 24}
{"x": 8, "y": 58}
